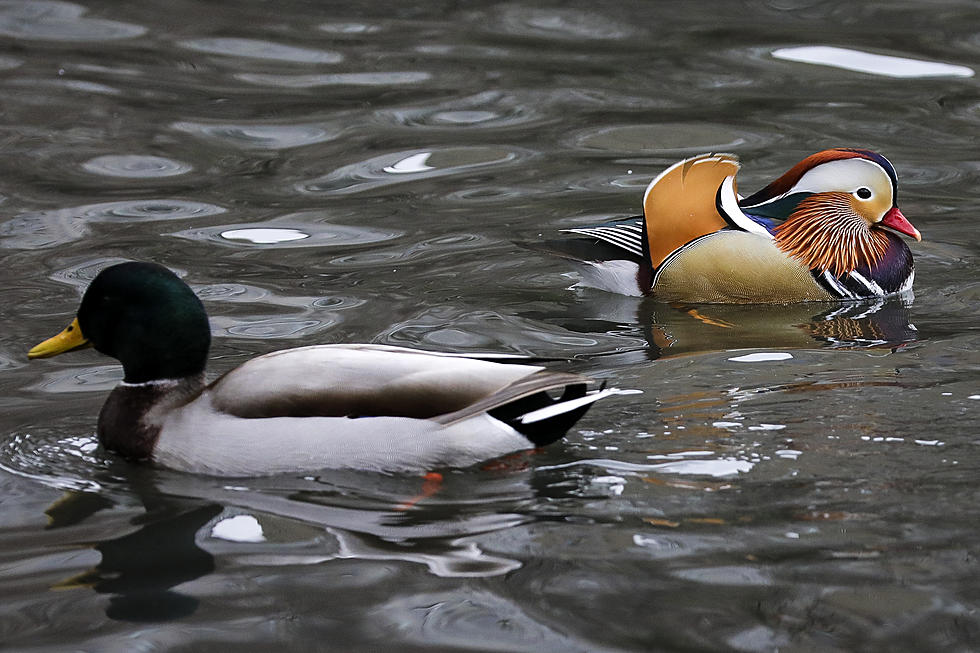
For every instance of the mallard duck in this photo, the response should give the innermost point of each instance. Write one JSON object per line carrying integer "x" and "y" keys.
{"x": 819, "y": 232}
{"x": 358, "y": 406}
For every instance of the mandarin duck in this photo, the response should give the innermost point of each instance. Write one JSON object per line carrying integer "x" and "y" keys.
{"x": 819, "y": 232}
{"x": 356, "y": 406}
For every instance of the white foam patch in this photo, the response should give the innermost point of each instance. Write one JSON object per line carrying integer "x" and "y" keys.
{"x": 874, "y": 64}
{"x": 768, "y": 427}
{"x": 264, "y": 236}
{"x": 727, "y": 425}
{"x": 240, "y": 528}
{"x": 715, "y": 468}
{"x": 414, "y": 163}
{"x": 762, "y": 357}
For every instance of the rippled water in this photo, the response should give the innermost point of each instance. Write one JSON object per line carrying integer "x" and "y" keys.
{"x": 792, "y": 478}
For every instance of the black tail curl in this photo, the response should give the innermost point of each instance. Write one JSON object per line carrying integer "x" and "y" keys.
{"x": 545, "y": 431}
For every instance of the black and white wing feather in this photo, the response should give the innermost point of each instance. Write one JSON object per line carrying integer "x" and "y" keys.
{"x": 625, "y": 234}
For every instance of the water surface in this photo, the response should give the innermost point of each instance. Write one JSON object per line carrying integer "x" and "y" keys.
{"x": 792, "y": 478}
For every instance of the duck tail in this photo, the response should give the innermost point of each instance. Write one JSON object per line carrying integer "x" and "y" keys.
{"x": 543, "y": 419}
{"x": 526, "y": 406}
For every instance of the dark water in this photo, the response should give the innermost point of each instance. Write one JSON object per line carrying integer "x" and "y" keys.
{"x": 793, "y": 478}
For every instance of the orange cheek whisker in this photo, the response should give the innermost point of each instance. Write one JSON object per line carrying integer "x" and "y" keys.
{"x": 825, "y": 233}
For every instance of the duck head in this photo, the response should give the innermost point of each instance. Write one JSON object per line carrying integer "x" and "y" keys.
{"x": 143, "y": 315}
{"x": 834, "y": 207}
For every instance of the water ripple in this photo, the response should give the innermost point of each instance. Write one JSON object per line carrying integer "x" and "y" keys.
{"x": 276, "y": 327}
{"x": 65, "y": 463}
{"x": 423, "y": 250}
{"x": 259, "y": 136}
{"x": 59, "y": 226}
{"x": 296, "y": 230}
{"x": 48, "y": 20}
{"x": 393, "y": 168}
{"x": 237, "y": 293}
{"x": 135, "y": 166}
{"x": 85, "y": 379}
{"x": 336, "y": 79}
{"x": 349, "y": 28}
{"x": 256, "y": 49}
{"x": 488, "y": 110}
{"x": 455, "y": 619}
{"x": 447, "y": 328}
{"x": 560, "y": 24}
{"x": 81, "y": 275}
{"x": 492, "y": 194}
{"x": 673, "y": 138}
{"x": 933, "y": 175}
{"x": 62, "y": 83}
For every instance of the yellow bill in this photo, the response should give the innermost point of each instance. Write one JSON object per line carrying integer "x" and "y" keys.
{"x": 70, "y": 338}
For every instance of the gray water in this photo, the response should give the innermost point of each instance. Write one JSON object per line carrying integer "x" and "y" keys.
{"x": 798, "y": 478}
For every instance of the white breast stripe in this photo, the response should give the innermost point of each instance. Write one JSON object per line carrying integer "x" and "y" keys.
{"x": 907, "y": 286}
{"x": 872, "y": 286}
{"x": 843, "y": 292}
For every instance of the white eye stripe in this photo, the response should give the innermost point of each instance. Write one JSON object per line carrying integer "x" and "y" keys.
{"x": 833, "y": 175}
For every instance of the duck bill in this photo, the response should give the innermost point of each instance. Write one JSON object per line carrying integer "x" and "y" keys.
{"x": 898, "y": 222}
{"x": 69, "y": 339}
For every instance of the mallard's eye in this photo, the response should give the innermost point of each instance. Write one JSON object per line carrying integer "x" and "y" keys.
{"x": 863, "y": 193}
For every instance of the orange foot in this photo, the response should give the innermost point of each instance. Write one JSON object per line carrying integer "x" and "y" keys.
{"x": 430, "y": 485}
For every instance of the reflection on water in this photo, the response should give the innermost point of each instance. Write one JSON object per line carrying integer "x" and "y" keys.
{"x": 875, "y": 64}
{"x": 792, "y": 477}
{"x": 259, "y": 136}
{"x": 135, "y": 165}
{"x": 260, "y": 50}
{"x": 59, "y": 226}
{"x": 685, "y": 330}
{"x": 138, "y": 570}
{"x": 679, "y": 330}
{"x": 375, "y": 173}
{"x": 307, "y": 232}
{"x": 60, "y": 21}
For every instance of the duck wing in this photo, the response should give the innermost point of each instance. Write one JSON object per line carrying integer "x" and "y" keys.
{"x": 360, "y": 381}
{"x": 606, "y": 241}
{"x": 681, "y": 204}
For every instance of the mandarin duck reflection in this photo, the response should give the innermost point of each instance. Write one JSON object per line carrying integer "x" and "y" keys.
{"x": 819, "y": 232}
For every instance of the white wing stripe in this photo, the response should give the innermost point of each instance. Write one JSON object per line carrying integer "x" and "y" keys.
{"x": 630, "y": 240}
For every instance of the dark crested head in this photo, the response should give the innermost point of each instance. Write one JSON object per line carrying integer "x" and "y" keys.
{"x": 143, "y": 315}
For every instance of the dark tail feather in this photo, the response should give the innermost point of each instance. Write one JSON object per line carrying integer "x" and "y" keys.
{"x": 544, "y": 431}
{"x": 526, "y": 406}
{"x": 543, "y": 420}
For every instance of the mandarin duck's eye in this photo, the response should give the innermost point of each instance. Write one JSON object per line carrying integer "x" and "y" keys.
{"x": 863, "y": 193}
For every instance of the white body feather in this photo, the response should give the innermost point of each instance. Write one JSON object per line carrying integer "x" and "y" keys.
{"x": 618, "y": 276}
{"x": 199, "y": 439}
{"x": 204, "y": 436}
